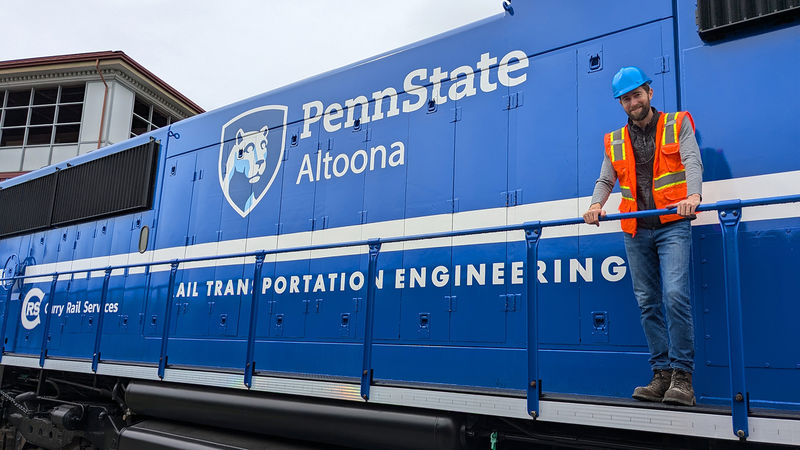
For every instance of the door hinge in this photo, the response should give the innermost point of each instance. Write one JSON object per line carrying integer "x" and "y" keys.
{"x": 661, "y": 64}
{"x": 455, "y": 114}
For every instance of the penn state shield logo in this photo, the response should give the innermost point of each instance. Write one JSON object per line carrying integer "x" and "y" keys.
{"x": 250, "y": 154}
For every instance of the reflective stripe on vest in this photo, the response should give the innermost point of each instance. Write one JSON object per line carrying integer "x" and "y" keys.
{"x": 626, "y": 192}
{"x": 669, "y": 179}
{"x": 670, "y": 135}
{"x": 618, "y": 145}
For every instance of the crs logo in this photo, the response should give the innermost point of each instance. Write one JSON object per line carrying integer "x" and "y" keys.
{"x": 250, "y": 154}
{"x": 31, "y": 306}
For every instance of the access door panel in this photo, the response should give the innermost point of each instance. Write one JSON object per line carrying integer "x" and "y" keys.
{"x": 543, "y": 153}
{"x": 299, "y": 183}
{"x": 481, "y": 149}
{"x": 173, "y": 220}
{"x": 600, "y": 113}
{"x": 339, "y": 196}
{"x": 176, "y": 200}
{"x": 430, "y": 155}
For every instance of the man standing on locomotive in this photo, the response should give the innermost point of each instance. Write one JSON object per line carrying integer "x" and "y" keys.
{"x": 657, "y": 161}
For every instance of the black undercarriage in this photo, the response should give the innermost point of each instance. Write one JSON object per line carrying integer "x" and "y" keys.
{"x": 64, "y": 410}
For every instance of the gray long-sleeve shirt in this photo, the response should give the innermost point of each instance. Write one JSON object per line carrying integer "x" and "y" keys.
{"x": 690, "y": 157}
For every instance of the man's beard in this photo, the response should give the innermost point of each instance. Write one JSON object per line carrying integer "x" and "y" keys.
{"x": 640, "y": 115}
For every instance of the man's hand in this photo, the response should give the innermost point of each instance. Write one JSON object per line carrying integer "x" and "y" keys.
{"x": 595, "y": 212}
{"x": 687, "y": 207}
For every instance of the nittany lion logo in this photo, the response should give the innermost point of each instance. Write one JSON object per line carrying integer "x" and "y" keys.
{"x": 250, "y": 154}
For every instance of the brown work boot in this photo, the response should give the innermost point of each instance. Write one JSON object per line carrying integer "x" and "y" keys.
{"x": 680, "y": 391}
{"x": 654, "y": 392}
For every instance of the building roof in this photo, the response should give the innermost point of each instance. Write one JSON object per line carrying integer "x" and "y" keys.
{"x": 92, "y": 57}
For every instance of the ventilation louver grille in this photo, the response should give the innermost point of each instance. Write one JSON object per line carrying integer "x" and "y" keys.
{"x": 717, "y": 19}
{"x": 27, "y": 206}
{"x": 114, "y": 184}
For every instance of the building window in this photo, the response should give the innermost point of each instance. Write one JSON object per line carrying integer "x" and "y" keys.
{"x": 147, "y": 118}
{"x": 41, "y": 116}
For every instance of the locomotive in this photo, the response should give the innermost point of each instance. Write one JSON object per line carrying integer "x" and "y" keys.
{"x": 389, "y": 255}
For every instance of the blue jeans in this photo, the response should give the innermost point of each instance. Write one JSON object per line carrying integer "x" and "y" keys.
{"x": 659, "y": 261}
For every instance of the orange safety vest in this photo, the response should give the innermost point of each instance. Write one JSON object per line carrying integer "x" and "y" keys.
{"x": 669, "y": 175}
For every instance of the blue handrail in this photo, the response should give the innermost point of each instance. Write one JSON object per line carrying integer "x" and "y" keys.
{"x": 417, "y": 237}
{"x": 729, "y": 212}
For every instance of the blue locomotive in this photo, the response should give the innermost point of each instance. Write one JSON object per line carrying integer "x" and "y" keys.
{"x": 388, "y": 255}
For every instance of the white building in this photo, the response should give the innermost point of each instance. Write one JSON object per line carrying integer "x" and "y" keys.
{"x": 53, "y": 108}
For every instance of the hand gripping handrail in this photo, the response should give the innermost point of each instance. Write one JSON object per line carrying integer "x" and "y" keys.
{"x": 729, "y": 213}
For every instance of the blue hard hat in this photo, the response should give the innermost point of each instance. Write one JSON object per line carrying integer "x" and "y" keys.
{"x": 628, "y": 79}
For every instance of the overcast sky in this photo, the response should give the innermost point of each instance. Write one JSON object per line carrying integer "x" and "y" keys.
{"x": 219, "y": 51}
